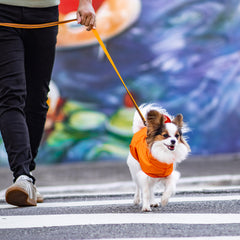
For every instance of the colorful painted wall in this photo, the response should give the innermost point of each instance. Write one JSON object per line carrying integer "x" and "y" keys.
{"x": 182, "y": 54}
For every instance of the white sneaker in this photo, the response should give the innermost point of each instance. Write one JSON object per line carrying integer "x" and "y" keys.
{"x": 22, "y": 192}
{"x": 40, "y": 197}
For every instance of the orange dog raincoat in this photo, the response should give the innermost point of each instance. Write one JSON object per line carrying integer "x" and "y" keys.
{"x": 151, "y": 166}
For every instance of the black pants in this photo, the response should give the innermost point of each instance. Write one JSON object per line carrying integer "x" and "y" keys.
{"x": 26, "y": 62}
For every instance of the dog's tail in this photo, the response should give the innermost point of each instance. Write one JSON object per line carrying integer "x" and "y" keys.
{"x": 145, "y": 108}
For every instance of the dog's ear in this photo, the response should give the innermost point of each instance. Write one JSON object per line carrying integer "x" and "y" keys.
{"x": 155, "y": 119}
{"x": 178, "y": 120}
{"x": 155, "y": 125}
{"x": 182, "y": 140}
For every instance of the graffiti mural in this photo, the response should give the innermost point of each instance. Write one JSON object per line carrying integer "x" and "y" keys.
{"x": 182, "y": 54}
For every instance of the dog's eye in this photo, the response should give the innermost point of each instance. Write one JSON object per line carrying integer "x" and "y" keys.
{"x": 177, "y": 136}
{"x": 165, "y": 135}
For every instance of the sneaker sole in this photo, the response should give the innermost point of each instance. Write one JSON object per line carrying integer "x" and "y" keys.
{"x": 18, "y": 197}
{"x": 40, "y": 199}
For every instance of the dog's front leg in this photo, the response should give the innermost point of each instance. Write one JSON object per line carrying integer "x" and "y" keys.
{"x": 153, "y": 201}
{"x": 143, "y": 180}
{"x": 137, "y": 196}
{"x": 170, "y": 187}
{"x": 146, "y": 199}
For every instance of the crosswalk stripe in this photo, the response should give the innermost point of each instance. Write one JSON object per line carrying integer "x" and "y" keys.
{"x": 129, "y": 201}
{"x": 180, "y": 238}
{"x": 62, "y": 194}
{"x": 36, "y": 221}
{"x": 115, "y": 189}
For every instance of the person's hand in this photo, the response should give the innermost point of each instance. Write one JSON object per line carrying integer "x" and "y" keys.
{"x": 86, "y": 14}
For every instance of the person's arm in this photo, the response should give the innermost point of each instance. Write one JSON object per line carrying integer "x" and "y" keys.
{"x": 86, "y": 14}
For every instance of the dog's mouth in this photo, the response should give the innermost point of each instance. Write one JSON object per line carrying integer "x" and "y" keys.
{"x": 170, "y": 147}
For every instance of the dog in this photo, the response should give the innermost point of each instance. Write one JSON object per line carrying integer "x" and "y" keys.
{"x": 155, "y": 150}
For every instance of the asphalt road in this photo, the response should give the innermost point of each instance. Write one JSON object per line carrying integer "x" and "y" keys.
{"x": 94, "y": 201}
{"x": 211, "y": 214}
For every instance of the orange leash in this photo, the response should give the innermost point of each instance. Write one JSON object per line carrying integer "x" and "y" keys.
{"x": 116, "y": 70}
{"x": 33, "y": 26}
{"x": 51, "y": 24}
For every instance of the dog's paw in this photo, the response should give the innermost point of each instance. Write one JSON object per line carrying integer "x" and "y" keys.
{"x": 146, "y": 209}
{"x": 154, "y": 204}
{"x": 136, "y": 201}
{"x": 164, "y": 200}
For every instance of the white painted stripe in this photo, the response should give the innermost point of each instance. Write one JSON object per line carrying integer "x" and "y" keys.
{"x": 191, "y": 184}
{"x": 210, "y": 179}
{"x": 129, "y": 201}
{"x": 87, "y": 187}
{"x": 81, "y": 190}
{"x": 205, "y": 198}
{"x": 181, "y": 238}
{"x": 63, "y": 194}
{"x": 130, "y": 184}
{"x": 77, "y": 204}
{"x": 195, "y": 189}
{"x": 31, "y": 221}
{"x": 207, "y": 180}
{"x": 208, "y": 188}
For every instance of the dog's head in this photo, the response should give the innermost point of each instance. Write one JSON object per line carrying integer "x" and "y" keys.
{"x": 165, "y": 139}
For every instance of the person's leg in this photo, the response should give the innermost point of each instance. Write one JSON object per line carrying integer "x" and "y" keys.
{"x": 39, "y": 47}
{"x": 12, "y": 94}
{"x": 12, "y": 103}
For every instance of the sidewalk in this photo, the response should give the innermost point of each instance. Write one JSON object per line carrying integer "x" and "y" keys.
{"x": 227, "y": 167}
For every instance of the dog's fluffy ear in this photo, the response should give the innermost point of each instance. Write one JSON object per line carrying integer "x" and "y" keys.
{"x": 178, "y": 120}
{"x": 185, "y": 143}
{"x": 155, "y": 119}
{"x": 155, "y": 125}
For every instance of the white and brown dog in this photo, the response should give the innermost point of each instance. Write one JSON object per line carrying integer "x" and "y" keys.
{"x": 155, "y": 150}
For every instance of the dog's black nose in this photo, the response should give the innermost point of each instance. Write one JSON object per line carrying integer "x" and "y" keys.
{"x": 173, "y": 141}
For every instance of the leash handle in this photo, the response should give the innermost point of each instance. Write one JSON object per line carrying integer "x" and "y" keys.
{"x": 116, "y": 70}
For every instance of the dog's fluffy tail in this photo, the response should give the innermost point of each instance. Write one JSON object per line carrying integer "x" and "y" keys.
{"x": 145, "y": 108}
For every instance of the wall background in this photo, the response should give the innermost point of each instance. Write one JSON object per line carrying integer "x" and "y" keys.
{"x": 182, "y": 54}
